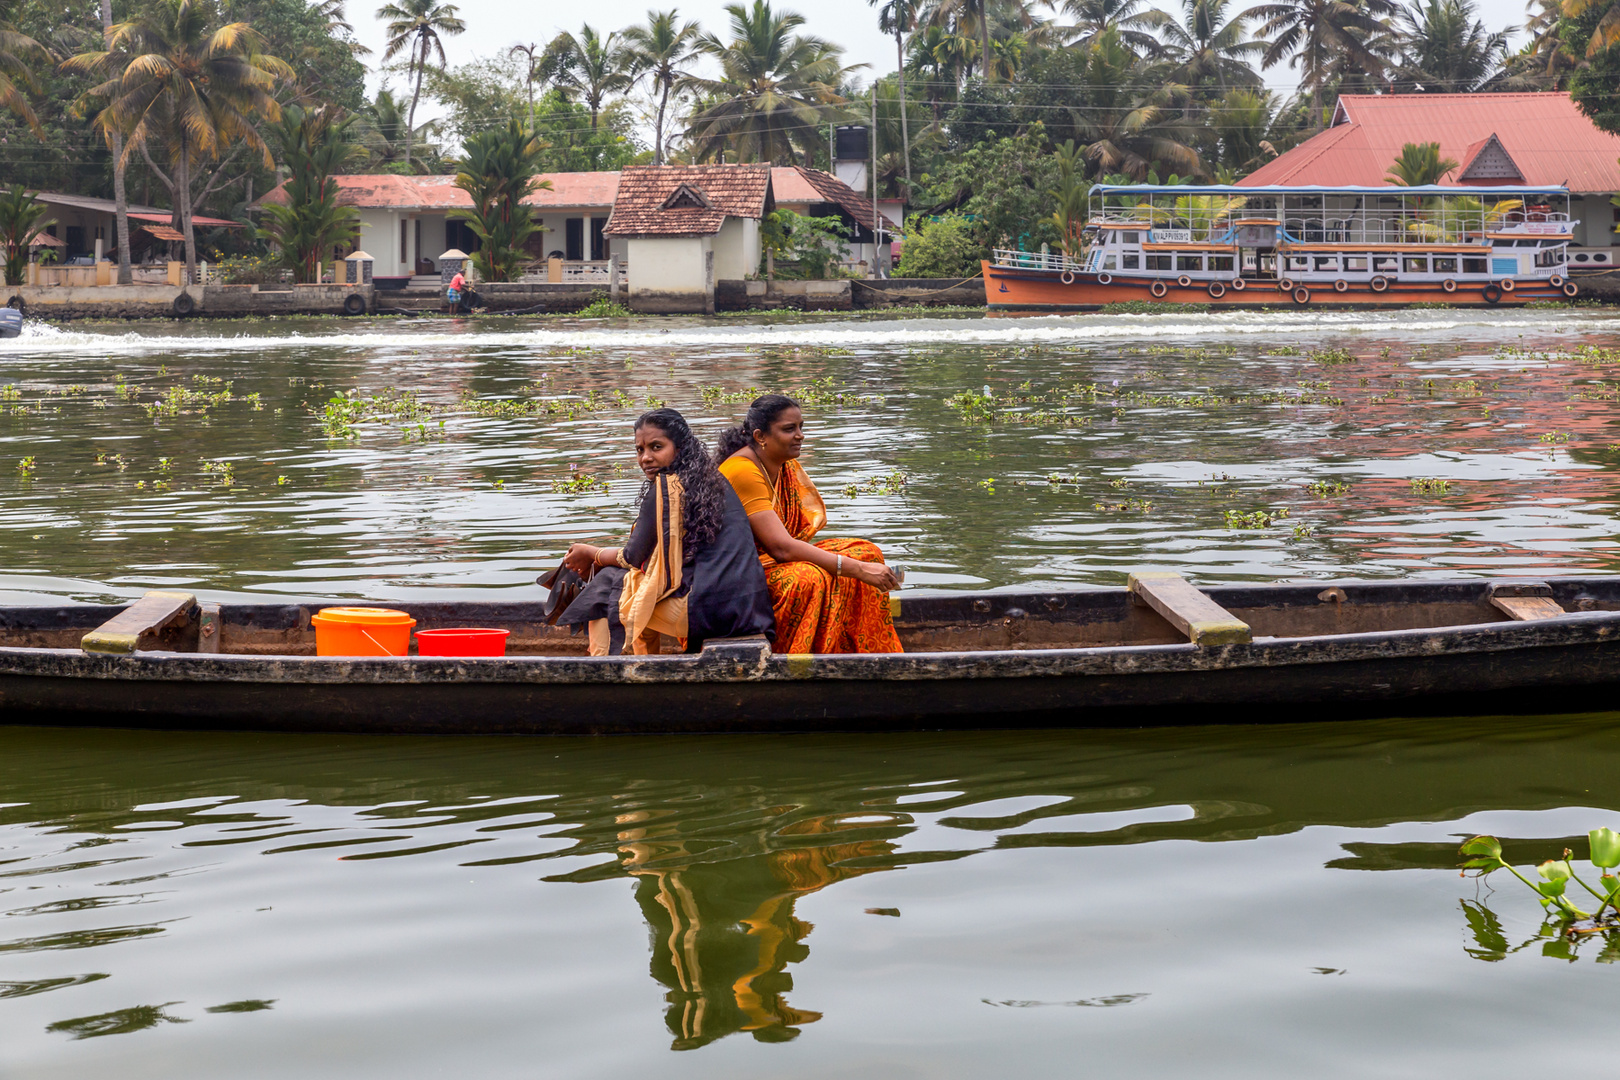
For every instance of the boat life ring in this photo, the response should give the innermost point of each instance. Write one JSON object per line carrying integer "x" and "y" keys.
{"x": 1570, "y": 289}
{"x": 1217, "y": 290}
{"x": 1158, "y": 288}
{"x": 1492, "y": 294}
{"x": 354, "y": 304}
{"x": 1379, "y": 283}
{"x": 1184, "y": 281}
{"x": 1302, "y": 296}
{"x": 1341, "y": 286}
{"x": 1506, "y": 285}
{"x": 1102, "y": 279}
{"x": 1556, "y": 281}
{"x": 1238, "y": 284}
{"x": 1067, "y": 277}
{"x": 1285, "y": 285}
{"x": 183, "y": 305}
{"x": 1448, "y": 285}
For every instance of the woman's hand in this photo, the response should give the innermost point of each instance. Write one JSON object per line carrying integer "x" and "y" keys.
{"x": 580, "y": 559}
{"x": 874, "y": 574}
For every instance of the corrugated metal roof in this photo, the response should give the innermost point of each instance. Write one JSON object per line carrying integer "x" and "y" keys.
{"x": 1552, "y": 143}
{"x": 384, "y": 191}
{"x": 135, "y": 210}
{"x": 1322, "y": 189}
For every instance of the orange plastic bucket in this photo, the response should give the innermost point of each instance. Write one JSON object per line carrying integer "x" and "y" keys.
{"x": 361, "y": 631}
{"x": 462, "y": 641}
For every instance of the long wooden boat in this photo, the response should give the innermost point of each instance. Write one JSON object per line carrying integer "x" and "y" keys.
{"x": 1158, "y": 651}
{"x": 1300, "y": 247}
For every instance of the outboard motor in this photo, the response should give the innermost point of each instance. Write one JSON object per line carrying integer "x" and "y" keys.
{"x": 10, "y": 322}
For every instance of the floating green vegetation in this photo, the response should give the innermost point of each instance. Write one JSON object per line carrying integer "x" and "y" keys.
{"x": 1327, "y": 489}
{"x": 177, "y": 399}
{"x": 225, "y": 470}
{"x": 1256, "y": 519}
{"x": 10, "y": 393}
{"x": 820, "y": 392}
{"x": 1060, "y": 479}
{"x": 603, "y": 308}
{"x": 1557, "y": 438}
{"x": 1484, "y": 853}
{"x": 891, "y": 483}
{"x": 343, "y": 413}
{"x": 26, "y": 466}
{"x": 1304, "y": 530}
{"x": 1330, "y": 356}
{"x": 1284, "y": 350}
{"x": 1140, "y": 506}
{"x": 578, "y": 483}
{"x": 1428, "y": 485}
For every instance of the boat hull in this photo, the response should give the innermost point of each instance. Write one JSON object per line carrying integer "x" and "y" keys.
{"x": 1491, "y": 665}
{"x": 1011, "y": 289}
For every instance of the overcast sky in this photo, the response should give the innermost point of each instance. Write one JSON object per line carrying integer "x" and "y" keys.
{"x": 496, "y": 25}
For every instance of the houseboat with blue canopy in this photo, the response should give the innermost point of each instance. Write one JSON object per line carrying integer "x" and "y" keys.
{"x": 1298, "y": 246}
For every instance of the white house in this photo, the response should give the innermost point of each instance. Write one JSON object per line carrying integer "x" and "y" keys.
{"x": 405, "y": 222}
{"x": 686, "y": 227}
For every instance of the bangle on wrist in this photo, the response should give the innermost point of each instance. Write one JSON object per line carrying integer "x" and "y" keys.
{"x": 838, "y": 568}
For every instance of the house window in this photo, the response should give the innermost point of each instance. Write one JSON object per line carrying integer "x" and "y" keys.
{"x": 574, "y": 239}
{"x": 1190, "y": 262}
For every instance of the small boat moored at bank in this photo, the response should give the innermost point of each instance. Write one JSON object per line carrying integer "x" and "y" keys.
{"x": 1299, "y": 247}
{"x": 1159, "y": 651}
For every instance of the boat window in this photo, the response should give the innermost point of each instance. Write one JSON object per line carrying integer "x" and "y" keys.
{"x": 1160, "y": 262}
{"x": 1417, "y": 265}
{"x": 1386, "y": 264}
{"x": 1473, "y": 266}
{"x": 1445, "y": 266}
{"x": 1355, "y": 264}
{"x": 1189, "y": 262}
{"x": 1549, "y": 257}
{"x": 1130, "y": 262}
{"x": 1327, "y": 262}
{"x": 1220, "y": 262}
{"x": 1110, "y": 262}
{"x": 1130, "y": 238}
{"x": 1299, "y": 262}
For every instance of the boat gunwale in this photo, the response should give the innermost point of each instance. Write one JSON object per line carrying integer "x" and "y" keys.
{"x": 750, "y": 662}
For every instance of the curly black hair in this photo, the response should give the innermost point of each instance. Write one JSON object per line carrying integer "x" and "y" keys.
{"x": 704, "y": 486}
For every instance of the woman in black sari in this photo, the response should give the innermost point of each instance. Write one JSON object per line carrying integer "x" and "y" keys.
{"x": 689, "y": 569}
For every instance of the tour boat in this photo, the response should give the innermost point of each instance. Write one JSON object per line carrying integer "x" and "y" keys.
{"x": 1160, "y": 651}
{"x": 1299, "y": 246}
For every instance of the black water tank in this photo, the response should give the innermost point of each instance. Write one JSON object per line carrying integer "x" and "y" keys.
{"x": 851, "y": 143}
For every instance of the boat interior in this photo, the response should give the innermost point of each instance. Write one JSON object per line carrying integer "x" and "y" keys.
{"x": 1155, "y": 609}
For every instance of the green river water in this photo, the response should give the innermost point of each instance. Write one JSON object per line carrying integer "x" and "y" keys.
{"x": 1263, "y": 900}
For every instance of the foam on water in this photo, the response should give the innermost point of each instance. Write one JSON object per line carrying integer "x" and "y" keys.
{"x": 39, "y": 339}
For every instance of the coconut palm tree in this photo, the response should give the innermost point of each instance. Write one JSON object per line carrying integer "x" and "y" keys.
{"x": 420, "y": 26}
{"x": 18, "y": 54}
{"x": 776, "y": 92}
{"x": 1127, "y": 18}
{"x": 382, "y": 129}
{"x": 1207, "y": 45}
{"x": 1125, "y": 112}
{"x": 1244, "y": 126}
{"x": 941, "y": 60}
{"x": 115, "y": 142}
{"x": 1606, "y": 34}
{"x": 533, "y": 54}
{"x": 1419, "y": 164}
{"x": 899, "y": 17}
{"x": 590, "y": 65}
{"x": 659, "y": 53}
{"x": 338, "y": 25}
{"x": 1541, "y": 63}
{"x": 190, "y": 91}
{"x": 1321, "y": 38}
{"x": 1446, "y": 50}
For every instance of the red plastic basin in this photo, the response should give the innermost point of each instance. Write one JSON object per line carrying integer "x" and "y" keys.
{"x": 462, "y": 641}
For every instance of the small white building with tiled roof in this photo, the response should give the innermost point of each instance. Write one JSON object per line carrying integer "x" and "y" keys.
{"x": 686, "y": 227}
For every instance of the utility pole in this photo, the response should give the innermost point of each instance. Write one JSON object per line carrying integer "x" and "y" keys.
{"x": 876, "y": 262}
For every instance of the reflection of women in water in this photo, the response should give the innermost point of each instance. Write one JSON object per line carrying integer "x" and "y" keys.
{"x": 828, "y": 595}
{"x": 688, "y": 569}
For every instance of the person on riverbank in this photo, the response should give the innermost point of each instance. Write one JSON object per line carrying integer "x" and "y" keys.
{"x": 689, "y": 568}
{"x": 829, "y": 596}
{"x": 453, "y": 291}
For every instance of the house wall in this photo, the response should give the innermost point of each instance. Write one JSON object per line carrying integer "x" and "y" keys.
{"x": 380, "y": 235}
{"x": 673, "y": 273}
{"x": 1597, "y": 220}
{"x": 737, "y": 249}
{"x": 87, "y": 226}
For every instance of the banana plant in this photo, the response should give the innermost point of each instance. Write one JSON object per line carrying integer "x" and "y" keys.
{"x": 1484, "y": 853}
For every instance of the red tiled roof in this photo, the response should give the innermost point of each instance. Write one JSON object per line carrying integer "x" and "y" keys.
{"x": 383, "y": 191}
{"x": 815, "y": 186}
{"x": 1545, "y": 135}
{"x": 732, "y": 191}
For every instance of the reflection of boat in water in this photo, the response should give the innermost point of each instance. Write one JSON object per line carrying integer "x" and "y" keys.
{"x": 1334, "y": 247}
{"x": 724, "y": 930}
{"x": 1161, "y": 651}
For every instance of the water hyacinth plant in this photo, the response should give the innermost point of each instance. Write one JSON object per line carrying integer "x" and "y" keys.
{"x": 1484, "y": 853}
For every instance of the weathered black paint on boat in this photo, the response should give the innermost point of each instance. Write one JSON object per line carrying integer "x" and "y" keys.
{"x": 1564, "y": 664}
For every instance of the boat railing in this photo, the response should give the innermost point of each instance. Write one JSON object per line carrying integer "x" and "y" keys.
{"x": 1035, "y": 260}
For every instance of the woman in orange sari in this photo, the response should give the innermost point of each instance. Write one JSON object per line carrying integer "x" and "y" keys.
{"x": 829, "y": 596}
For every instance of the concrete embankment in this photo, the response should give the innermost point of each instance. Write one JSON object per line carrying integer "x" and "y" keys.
{"x": 847, "y": 294}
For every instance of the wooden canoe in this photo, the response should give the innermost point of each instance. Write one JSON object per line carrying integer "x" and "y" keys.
{"x": 1159, "y": 651}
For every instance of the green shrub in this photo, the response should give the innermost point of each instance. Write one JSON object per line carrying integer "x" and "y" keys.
{"x": 939, "y": 247}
